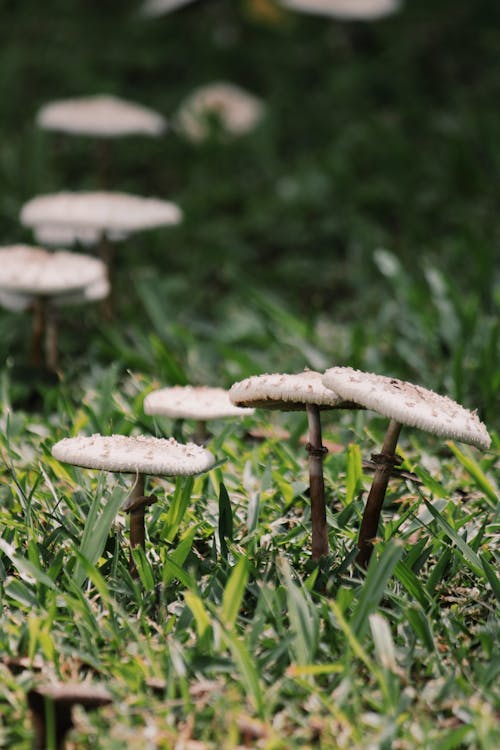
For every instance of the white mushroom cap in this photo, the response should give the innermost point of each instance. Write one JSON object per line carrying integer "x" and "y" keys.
{"x": 154, "y": 8}
{"x": 33, "y": 270}
{"x": 104, "y": 116}
{"x": 86, "y": 216}
{"x": 348, "y": 10}
{"x": 192, "y": 402}
{"x": 285, "y": 392}
{"x": 237, "y": 110}
{"x": 409, "y": 404}
{"x": 134, "y": 455}
{"x": 17, "y": 302}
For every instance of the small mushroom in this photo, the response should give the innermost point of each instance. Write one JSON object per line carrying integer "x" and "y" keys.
{"x": 33, "y": 278}
{"x": 221, "y": 104}
{"x": 346, "y": 10}
{"x": 141, "y": 456}
{"x": 200, "y": 403}
{"x": 299, "y": 392}
{"x": 403, "y": 403}
{"x": 51, "y": 706}
{"x": 103, "y": 117}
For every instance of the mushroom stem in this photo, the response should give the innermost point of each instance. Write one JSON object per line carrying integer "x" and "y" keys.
{"x": 51, "y": 332}
{"x": 385, "y": 463}
{"x": 105, "y": 251}
{"x": 135, "y": 505}
{"x": 317, "y": 452}
{"x": 37, "y": 331}
{"x": 201, "y": 434}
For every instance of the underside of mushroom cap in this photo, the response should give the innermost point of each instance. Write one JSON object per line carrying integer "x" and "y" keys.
{"x": 347, "y": 10}
{"x": 286, "y": 392}
{"x": 134, "y": 455}
{"x": 89, "y": 214}
{"x": 409, "y": 404}
{"x": 102, "y": 115}
{"x": 193, "y": 402}
{"x": 32, "y": 270}
{"x": 237, "y": 110}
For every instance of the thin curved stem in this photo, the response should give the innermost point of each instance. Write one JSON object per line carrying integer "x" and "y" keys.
{"x": 376, "y": 496}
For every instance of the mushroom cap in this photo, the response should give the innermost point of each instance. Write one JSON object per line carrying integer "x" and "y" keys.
{"x": 33, "y": 270}
{"x": 192, "y": 402}
{"x": 409, "y": 404}
{"x": 103, "y": 115}
{"x": 285, "y": 392}
{"x": 17, "y": 302}
{"x": 85, "y": 216}
{"x": 134, "y": 455}
{"x": 237, "y": 110}
{"x": 348, "y": 10}
{"x": 153, "y": 8}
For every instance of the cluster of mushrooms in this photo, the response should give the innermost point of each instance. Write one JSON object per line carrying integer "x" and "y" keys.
{"x": 338, "y": 388}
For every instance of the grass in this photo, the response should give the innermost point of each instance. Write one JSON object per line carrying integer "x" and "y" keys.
{"x": 360, "y": 230}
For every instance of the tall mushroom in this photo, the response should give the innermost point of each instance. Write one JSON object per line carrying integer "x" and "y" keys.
{"x": 221, "y": 104}
{"x": 103, "y": 117}
{"x": 95, "y": 218}
{"x": 302, "y": 391}
{"x": 57, "y": 701}
{"x": 141, "y": 456}
{"x": 200, "y": 403}
{"x": 346, "y": 10}
{"x": 405, "y": 404}
{"x": 31, "y": 277}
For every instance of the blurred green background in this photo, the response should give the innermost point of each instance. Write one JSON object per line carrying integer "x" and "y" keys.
{"x": 358, "y": 224}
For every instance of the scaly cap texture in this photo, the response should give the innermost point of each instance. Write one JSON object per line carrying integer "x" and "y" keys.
{"x": 409, "y": 404}
{"x": 134, "y": 455}
{"x": 192, "y": 402}
{"x": 285, "y": 392}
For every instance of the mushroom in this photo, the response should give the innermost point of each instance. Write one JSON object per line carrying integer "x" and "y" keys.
{"x": 31, "y": 277}
{"x": 347, "y": 10}
{"x": 153, "y": 8}
{"x": 98, "y": 218}
{"x": 102, "y": 116}
{"x": 403, "y": 403}
{"x": 141, "y": 456}
{"x": 51, "y": 706}
{"x": 301, "y": 391}
{"x": 200, "y": 403}
{"x": 221, "y": 104}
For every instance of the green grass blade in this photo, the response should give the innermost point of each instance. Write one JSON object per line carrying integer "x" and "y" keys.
{"x": 477, "y": 474}
{"x": 234, "y": 592}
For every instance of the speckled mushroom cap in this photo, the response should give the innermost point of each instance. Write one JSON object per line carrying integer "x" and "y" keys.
{"x": 134, "y": 455}
{"x": 33, "y": 270}
{"x": 103, "y": 115}
{"x": 237, "y": 110}
{"x": 72, "y": 693}
{"x": 87, "y": 215}
{"x": 348, "y": 10}
{"x": 285, "y": 392}
{"x": 154, "y": 8}
{"x": 193, "y": 402}
{"x": 409, "y": 404}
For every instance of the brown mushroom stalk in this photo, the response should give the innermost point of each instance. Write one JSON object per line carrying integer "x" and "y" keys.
{"x": 135, "y": 505}
{"x": 51, "y": 339}
{"x": 201, "y": 433}
{"x": 317, "y": 452}
{"x": 385, "y": 462}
